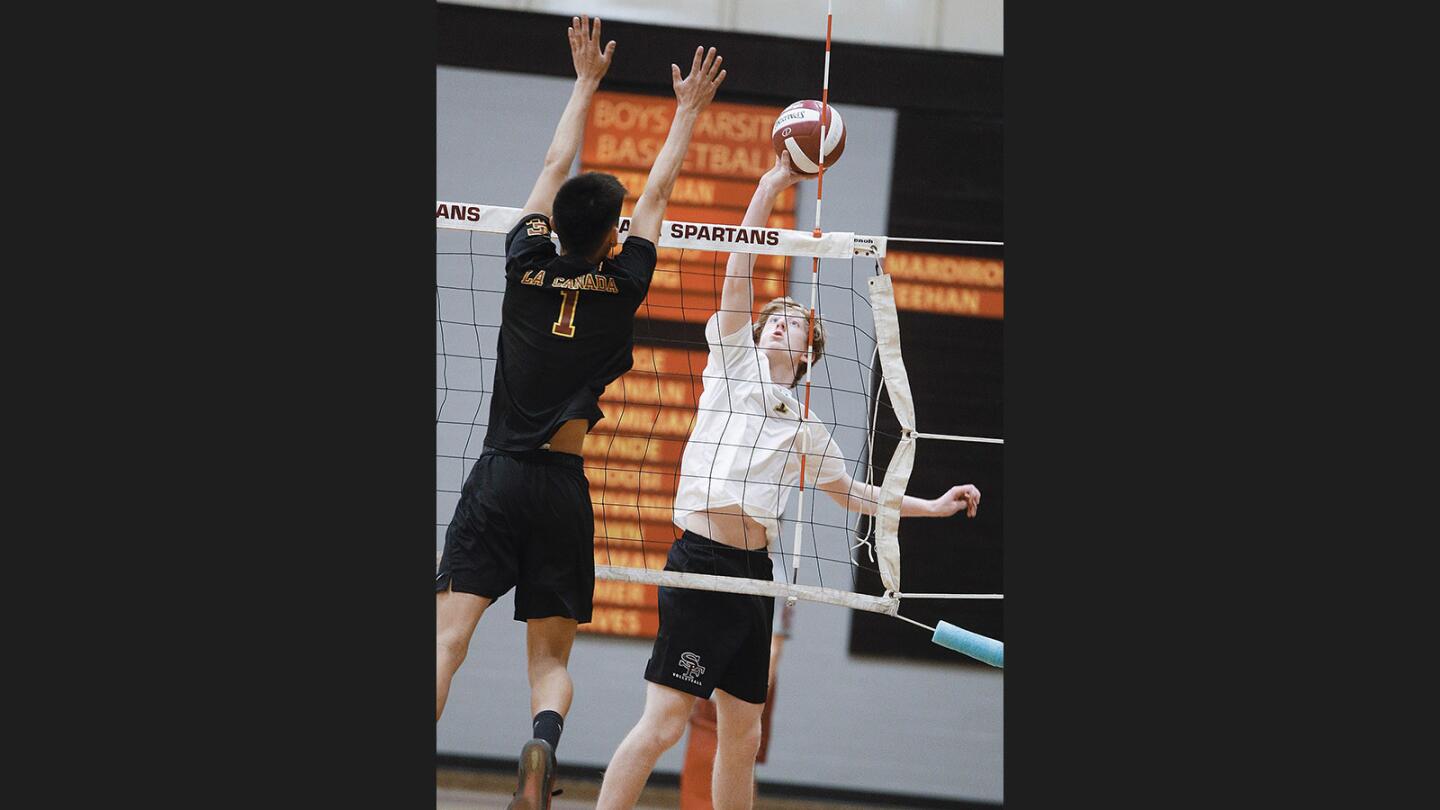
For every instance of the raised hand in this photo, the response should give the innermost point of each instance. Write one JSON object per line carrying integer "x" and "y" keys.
{"x": 590, "y": 61}
{"x": 697, "y": 90}
{"x": 965, "y": 497}
{"x": 783, "y": 174}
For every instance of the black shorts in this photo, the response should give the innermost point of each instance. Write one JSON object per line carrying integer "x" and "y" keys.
{"x": 524, "y": 521}
{"x": 708, "y": 639}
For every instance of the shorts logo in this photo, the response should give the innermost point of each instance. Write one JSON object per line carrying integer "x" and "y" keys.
{"x": 690, "y": 662}
{"x": 536, "y": 227}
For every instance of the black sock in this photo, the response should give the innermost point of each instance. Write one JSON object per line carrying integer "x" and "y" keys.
{"x": 548, "y": 726}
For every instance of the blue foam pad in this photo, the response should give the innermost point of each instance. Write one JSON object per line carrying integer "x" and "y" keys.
{"x": 974, "y": 645}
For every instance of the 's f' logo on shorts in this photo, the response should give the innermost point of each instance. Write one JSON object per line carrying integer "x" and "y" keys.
{"x": 536, "y": 227}
{"x": 690, "y": 662}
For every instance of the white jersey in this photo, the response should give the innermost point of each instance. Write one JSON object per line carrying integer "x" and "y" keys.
{"x": 746, "y": 444}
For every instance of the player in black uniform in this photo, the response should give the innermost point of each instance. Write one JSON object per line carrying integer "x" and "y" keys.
{"x": 524, "y": 518}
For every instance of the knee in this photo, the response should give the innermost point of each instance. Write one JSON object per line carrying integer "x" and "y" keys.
{"x": 744, "y": 741}
{"x": 544, "y": 667}
{"x": 452, "y": 646}
{"x": 661, "y": 733}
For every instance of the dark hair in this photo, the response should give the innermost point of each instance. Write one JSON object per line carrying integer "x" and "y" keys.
{"x": 587, "y": 208}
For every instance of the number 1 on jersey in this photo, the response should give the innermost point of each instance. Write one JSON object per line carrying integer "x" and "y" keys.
{"x": 565, "y": 327}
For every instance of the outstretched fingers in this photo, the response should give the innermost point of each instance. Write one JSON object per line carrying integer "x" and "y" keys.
{"x": 591, "y": 60}
{"x": 606, "y": 52}
{"x": 609, "y": 48}
{"x": 705, "y": 76}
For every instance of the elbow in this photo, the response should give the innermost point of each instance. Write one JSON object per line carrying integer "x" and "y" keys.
{"x": 652, "y": 198}
{"x": 648, "y": 205}
{"x": 855, "y": 506}
{"x": 852, "y": 503}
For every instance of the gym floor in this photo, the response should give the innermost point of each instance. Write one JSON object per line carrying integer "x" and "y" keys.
{"x": 473, "y": 790}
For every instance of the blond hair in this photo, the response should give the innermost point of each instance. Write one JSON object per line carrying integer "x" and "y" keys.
{"x": 817, "y": 341}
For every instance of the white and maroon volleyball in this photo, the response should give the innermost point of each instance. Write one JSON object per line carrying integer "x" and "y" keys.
{"x": 797, "y": 131}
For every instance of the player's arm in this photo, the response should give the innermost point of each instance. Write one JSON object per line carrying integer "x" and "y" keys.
{"x": 692, "y": 96}
{"x": 736, "y": 295}
{"x": 590, "y": 66}
{"x": 855, "y": 496}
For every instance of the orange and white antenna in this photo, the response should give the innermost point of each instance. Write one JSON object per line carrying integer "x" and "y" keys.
{"x": 814, "y": 285}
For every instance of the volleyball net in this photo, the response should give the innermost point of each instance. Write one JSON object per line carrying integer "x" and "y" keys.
{"x": 858, "y": 391}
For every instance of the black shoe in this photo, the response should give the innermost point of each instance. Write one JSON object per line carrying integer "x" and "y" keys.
{"x": 537, "y": 777}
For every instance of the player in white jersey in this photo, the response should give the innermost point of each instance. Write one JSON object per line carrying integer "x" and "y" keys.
{"x": 740, "y": 464}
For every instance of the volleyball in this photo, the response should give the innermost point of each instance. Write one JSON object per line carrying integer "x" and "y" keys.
{"x": 797, "y": 131}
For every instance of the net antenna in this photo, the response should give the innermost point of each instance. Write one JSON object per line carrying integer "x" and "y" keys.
{"x": 814, "y": 286}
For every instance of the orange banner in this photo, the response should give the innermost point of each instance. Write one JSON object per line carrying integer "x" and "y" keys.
{"x": 649, "y": 384}
{"x": 627, "y": 130}
{"x": 632, "y": 457}
{"x": 947, "y": 285}
{"x": 712, "y": 262}
{"x": 729, "y": 150}
{"x": 966, "y": 271}
{"x": 633, "y": 479}
{"x": 674, "y": 306}
{"x": 697, "y": 191}
{"x": 632, "y": 460}
{"x": 652, "y": 559}
{"x": 711, "y": 279}
{"x": 624, "y": 594}
{"x": 623, "y": 621}
{"x": 676, "y": 212}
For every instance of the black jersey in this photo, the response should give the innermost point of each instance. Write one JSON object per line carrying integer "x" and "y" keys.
{"x": 567, "y": 329}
